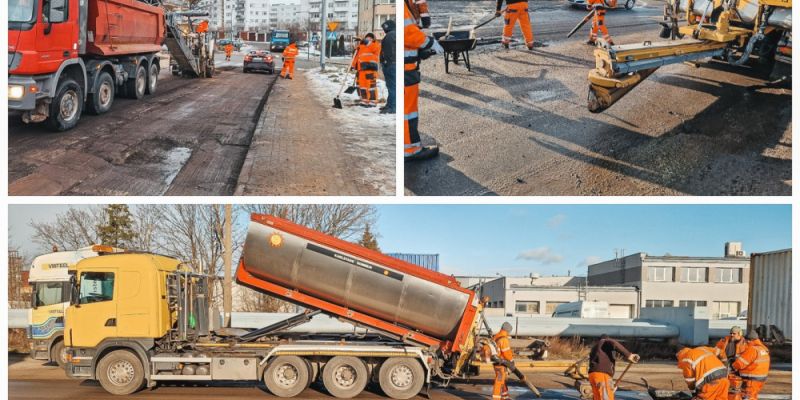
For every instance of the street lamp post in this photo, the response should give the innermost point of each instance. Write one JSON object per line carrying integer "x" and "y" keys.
{"x": 324, "y": 30}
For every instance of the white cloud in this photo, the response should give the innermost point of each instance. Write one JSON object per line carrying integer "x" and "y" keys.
{"x": 542, "y": 254}
{"x": 589, "y": 261}
{"x": 556, "y": 220}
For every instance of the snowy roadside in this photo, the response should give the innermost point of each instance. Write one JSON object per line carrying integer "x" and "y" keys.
{"x": 368, "y": 131}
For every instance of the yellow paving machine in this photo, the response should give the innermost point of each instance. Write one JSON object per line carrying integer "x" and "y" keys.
{"x": 756, "y": 33}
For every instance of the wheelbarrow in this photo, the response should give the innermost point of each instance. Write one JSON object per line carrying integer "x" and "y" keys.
{"x": 456, "y": 45}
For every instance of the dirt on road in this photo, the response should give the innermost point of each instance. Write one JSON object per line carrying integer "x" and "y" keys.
{"x": 189, "y": 138}
{"x": 32, "y": 379}
{"x": 518, "y": 124}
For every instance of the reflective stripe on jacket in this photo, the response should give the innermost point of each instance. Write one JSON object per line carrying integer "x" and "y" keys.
{"x": 700, "y": 365}
{"x": 753, "y": 363}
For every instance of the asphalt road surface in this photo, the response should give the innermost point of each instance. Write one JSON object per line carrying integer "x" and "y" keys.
{"x": 189, "y": 138}
{"x": 518, "y": 124}
{"x": 32, "y": 379}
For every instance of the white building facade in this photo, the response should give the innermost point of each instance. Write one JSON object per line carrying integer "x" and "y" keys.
{"x": 719, "y": 283}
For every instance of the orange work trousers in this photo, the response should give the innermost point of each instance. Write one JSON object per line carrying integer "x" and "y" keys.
{"x": 751, "y": 389}
{"x": 599, "y": 24}
{"x": 517, "y": 12}
{"x": 411, "y": 139}
{"x": 500, "y": 390}
{"x": 602, "y": 388}
{"x": 716, "y": 390}
{"x": 368, "y": 87}
{"x": 288, "y": 68}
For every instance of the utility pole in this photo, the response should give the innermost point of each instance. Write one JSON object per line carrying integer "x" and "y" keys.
{"x": 226, "y": 290}
{"x": 324, "y": 30}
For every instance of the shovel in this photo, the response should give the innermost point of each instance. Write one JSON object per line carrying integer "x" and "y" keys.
{"x": 582, "y": 23}
{"x": 616, "y": 383}
{"x": 472, "y": 31}
{"x": 337, "y": 102}
{"x": 352, "y": 88}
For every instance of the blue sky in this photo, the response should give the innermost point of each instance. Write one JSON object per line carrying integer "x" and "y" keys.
{"x": 521, "y": 239}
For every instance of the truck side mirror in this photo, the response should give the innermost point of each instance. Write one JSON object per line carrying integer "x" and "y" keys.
{"x": 33, "y": 298}
{"x": 55, "y": 11}
{"x": 74, "y": 297}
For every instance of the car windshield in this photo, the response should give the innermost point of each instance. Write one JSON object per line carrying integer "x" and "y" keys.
{"x": 20, "y": 10}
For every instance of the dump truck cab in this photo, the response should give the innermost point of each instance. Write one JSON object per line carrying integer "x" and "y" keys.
{"x": 49, "y": 279}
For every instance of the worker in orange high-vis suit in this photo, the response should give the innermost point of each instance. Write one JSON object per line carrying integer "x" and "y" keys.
{"x": 366, "y": 63}
{"x": 202, "y": 27}
{"x": 228, "y": 51}
{"x": 602, "y": 362}
{"x": 729, "y": 347}
{"x": 417, "y": 45}
{"x": 517, "y": 10}
{"x": 704, "y": 372}
{"x": 289, "y": 54}
{"x": 501, "y": 351}
{"x": 753, "y": 366}
{"x": 599, "y": 19}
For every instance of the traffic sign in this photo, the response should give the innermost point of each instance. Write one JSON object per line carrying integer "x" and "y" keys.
{"x": 332, "y": 25}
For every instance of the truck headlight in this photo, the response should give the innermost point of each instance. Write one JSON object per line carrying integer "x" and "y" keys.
{"x": 16, "y": 92}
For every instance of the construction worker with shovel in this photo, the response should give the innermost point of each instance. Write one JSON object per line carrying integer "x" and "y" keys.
{"x": 601, "y": 366}
{"x": 517, "y": 10}
{"x": 417, "y": 46}
{"x": 366, "y": 63}
{"x": 599, "y": 19}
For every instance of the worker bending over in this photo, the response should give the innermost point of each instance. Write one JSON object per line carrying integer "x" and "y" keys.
{"x": 228, "y": 51}
{"x": 517, "y": 10}
{"x": 599, "y": 20}
{"x": 366, "y": 63}
{"x": 729, "y": 347}
{"x": 417, "y": 45}
{"x": 704, "y": 372}
{"x": 289, "y": 54}
{"x": 753, "y": 366}
{"x": 499, "y": 354}
{"x": 601, "y": 366}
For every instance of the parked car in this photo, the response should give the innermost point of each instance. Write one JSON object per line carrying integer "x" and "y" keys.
{"x": 627, "y": 4}
{"x": 259, "y": 60}
{"x": 237, "y": 44}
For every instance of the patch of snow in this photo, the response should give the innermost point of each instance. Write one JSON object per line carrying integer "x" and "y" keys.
{"x": 369, "y": 132}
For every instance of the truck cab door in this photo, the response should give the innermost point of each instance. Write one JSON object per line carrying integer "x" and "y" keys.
{"x": 57, "y": 33}
{"x": 94, "y": 317}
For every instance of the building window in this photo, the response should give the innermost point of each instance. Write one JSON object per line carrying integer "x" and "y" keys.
{"x": 694, "y": 274}
{"x": 501, "y": 304}
{"x": 692, "y": 303}
{"x": 661, "y": 274}
{"x": 527, "y": 307}
{"x": 659, "y": 303}
{"x": 728, "y": 275}
{"x": 551, "y": 306}
{"x": 725, "y": 309}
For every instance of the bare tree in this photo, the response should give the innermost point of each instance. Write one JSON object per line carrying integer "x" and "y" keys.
{"x": 75, "y": 228}
{"x": 345, "y": 221}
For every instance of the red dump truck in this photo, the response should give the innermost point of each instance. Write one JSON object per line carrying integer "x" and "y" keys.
{"x": 421, "y": 325}
{"x": 64, "y": 54}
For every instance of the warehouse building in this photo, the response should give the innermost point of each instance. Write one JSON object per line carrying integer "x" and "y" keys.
{"x": 536, "y": 296}
{"x": 719, "y": 283}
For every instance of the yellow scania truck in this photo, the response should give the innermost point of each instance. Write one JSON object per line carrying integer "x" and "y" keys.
{"x": 49, "y": 279}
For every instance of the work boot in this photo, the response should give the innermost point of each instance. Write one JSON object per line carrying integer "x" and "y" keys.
{"x": 424, "y": 154}
{"x": 505, "y": 45}
{"x": 530, "y": 47}
{"x": 591, "y": 42}
{"x": 385, "y": 110}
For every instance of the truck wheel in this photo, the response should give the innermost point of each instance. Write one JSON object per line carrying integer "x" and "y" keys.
{"x": 66, "y": 106}
{"x": 135, "y": 87}
{"x": 345, "y": 377}
{"x": 58, "y": 353}
{"x": 120, "y": 372}
{"x": 287, "y": 376}
{"x": 152, "y": 79}
{"x": 401, "y": 378}
{"x": 100, "y": 101}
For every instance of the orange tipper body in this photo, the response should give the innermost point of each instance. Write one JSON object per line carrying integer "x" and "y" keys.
{"x": 281, "y": 258}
